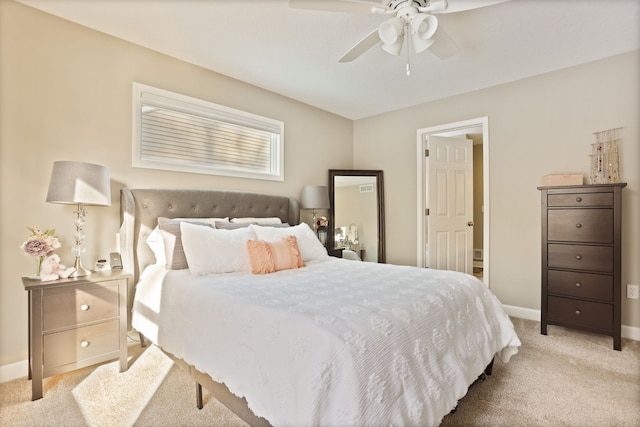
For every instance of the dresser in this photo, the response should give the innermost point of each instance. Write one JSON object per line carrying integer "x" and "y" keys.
{"x": 581, "y": 258}
{"x": 75, "y": 323}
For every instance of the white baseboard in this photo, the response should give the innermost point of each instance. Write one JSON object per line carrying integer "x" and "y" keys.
{"x": 630, "y": 332}
{"x": 13, "y": 371}
{"x": 19, "y": 369}
{"x": 521, "y": 312}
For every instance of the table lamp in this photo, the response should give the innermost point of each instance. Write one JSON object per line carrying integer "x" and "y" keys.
{"x": 79, "y": 184}
{"x": 315, "y": 197}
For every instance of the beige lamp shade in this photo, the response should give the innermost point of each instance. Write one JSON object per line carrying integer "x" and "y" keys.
{"x": 315, "y": 197}
{"x": 77, "y": 182}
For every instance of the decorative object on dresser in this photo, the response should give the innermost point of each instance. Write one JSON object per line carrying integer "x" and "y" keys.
{"x": 322, "y": 223}
{"x": 315, "y": 197}
{"x": 81, "y": 184}
{"x": 605, "y": 157}
{"x": 556, "y": 179}
{"x": 75, "y": 323}
{"x": 40, "y": 244}
{"x": 581, "y": 258}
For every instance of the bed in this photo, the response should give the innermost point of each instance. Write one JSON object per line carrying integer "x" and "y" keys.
{"x": 334, "y": 342}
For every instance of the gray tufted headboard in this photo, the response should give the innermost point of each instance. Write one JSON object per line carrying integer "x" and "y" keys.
{"x": 140, "y": 209}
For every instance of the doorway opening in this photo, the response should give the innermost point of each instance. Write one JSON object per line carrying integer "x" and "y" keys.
{"x": 477, "y": 130}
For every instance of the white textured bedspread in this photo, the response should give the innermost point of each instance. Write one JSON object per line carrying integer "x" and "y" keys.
{"x": 336, "y": 343}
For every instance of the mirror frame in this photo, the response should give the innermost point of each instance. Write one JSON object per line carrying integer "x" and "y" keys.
{"x": 378, "y": 174}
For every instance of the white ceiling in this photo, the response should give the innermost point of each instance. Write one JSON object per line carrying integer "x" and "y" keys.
{"x": 295, "y": 52}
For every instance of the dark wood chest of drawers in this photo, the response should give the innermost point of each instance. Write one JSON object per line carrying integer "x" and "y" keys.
{"x": 581, "y": 253}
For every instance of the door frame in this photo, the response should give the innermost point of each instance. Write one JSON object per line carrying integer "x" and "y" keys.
{"x": 421, "y": 188}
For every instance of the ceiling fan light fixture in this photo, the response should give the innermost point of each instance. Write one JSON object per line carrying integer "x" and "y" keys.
{"x": 391, "y": 33}
{"x": 424, "y": 25}
{"x": 423, "y": 28}
{"x": 420, "y": 45}
{"x": 394, "y": 48}
{"x": 391, "y": 30}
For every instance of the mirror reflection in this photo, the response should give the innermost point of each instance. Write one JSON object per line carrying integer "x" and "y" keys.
{"x": 356, "y": 227}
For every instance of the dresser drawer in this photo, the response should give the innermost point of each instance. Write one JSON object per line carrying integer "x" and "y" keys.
{"x": 580, "y": 199}
{"x": 68, "y": 307}
{"x": 580, "y": 313}
{"x": 580, "y": 225}
{"x": 580, "y": 285}
{"x": 76, "y": 346}
{"x": 580, "y": 257}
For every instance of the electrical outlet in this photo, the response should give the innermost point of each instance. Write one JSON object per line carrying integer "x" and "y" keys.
{"x": 632, "y": 291}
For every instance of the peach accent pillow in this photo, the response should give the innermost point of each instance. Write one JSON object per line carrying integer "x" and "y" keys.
{"x": 269, "y": 257}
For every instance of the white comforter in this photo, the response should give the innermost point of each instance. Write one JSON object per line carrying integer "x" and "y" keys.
{"x": 336, "y": 343}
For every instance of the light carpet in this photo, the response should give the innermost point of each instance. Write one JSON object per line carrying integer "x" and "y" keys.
{"x": 141, "y": 381}
{"x": 568, "y": 378}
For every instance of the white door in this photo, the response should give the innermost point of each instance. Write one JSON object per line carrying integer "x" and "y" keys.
{"x": 449, "y": 204}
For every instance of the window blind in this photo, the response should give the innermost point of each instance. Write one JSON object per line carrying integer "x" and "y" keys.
{"x": 180, "y": 133}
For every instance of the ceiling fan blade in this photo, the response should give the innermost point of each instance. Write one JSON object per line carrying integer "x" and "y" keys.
{"x": 347, "y": 6}
{"x": 462, "y": 5}
{"x": 369, "y": 41}
{"x": 443, "y": 47}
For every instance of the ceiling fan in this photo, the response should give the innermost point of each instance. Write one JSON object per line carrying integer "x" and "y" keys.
{"x": 412, "y": 20}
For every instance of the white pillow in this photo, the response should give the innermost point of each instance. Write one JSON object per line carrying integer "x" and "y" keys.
{"x": 259, "y": 221}
{"x": 155, "y": 242}
{"x": 212, "y": 251}
{"x": 310, "y": 246}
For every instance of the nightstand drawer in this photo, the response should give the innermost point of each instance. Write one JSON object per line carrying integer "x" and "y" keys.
{"x": 580, "y": 199}
{"x": 580, "y": 313}
{"x": 580, "y": 285}
{"x": 75, "y": 346}
{"x": 581, "y": 225}
{"x": 580, "y": 257}
{"x": 69, "y": 307}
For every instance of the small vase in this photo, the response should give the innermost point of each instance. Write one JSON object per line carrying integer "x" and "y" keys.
{"x": 322, "y": 235}
{"x": 36, "y": 276}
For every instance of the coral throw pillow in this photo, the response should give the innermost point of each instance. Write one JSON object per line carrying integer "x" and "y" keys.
{"x": 268, "y": 257}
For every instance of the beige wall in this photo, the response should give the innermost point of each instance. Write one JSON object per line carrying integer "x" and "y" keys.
{"x": 537, "y": 126}
{"x": 66, "y": 94}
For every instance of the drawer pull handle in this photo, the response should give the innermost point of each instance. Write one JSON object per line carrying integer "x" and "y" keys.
{"x": 84, "y": 343}
{"x": 578, "y": 312}
{"x": 578, "y": 199}
{"x": 578, "y": 225}
{"x": 85, "y": 307}
{"x": 578, "y": 284}
{"x": 578, "y": 257}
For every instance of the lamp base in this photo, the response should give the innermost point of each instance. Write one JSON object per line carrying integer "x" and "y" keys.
{"x": 80, "y": 270}
{"x": 315, "y": 223}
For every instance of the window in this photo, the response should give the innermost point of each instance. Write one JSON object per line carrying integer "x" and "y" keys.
{"x": 180, "y": 133}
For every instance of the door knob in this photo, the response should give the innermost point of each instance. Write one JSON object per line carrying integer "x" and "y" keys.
{"x": 470, "y": 223}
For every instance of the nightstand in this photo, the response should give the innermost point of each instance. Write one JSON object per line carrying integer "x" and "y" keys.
{"x": 335, "y": 252}
{"x": 75, "y": 323}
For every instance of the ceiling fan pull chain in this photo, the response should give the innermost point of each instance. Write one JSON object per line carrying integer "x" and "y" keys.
{"x": 406, "y": 32}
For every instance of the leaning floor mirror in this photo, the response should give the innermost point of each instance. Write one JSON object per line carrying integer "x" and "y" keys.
{"x": 356, "y": 225}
